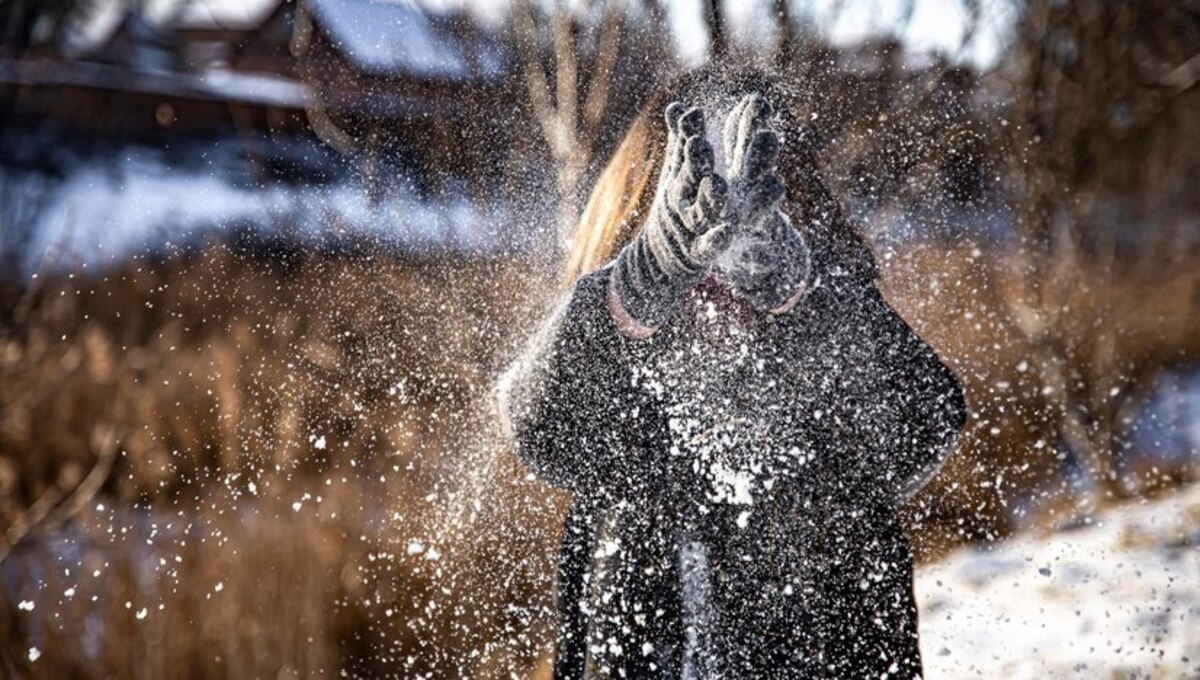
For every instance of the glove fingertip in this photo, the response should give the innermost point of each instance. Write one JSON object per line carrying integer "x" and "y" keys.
{"x": 672, "y": 114}
{"x": 764, "y": 153}
{"x": 768, "y": 141}
{"x": 732, "y": 124}
{"x": 692, "y": 122}
{"x": 766, "y": 110}
{"x": 759, "y": 110}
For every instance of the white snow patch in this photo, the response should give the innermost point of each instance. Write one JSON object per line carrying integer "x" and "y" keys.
{"x": 1118, "y": 598}
{"x": 731, "y": 486}
{"x": 138, "y": 199}
{"x": 743, "y": 519}
{"x": 608, "y": 548}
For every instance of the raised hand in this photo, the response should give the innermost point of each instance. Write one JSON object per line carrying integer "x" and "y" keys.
{"x": 685, "y": 229}
{"x": 752, "y": 152}
{"x": 767, "y": 261}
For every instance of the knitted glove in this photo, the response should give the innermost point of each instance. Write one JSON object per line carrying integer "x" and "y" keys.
{"x": 684, "y": 230}
{"x": 768, "y": 260}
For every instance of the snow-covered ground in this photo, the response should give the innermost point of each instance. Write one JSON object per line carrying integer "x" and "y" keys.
{"x": 91, "y": 206}
{"x": 1117, "y": 599}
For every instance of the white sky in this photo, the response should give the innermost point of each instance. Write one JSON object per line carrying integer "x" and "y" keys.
{"x": 935, "y": 25}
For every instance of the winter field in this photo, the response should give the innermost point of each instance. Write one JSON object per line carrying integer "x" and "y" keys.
{"x": 262, "y": 261}
{"x": 1119, "y": 598}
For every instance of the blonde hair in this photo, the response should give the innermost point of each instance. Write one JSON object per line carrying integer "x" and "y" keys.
{"x": 624, "y": 190}
{"x": 623, "y": 193}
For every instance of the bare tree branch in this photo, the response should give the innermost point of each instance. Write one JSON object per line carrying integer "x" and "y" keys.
{"x": 50, "y": 510}
{"x": 717, "y": 29}
{"x": 971, "y": 26}
{"x": 535, "y": 78}
{"x": 783, "y": 46}
{"x": 570, "y": 133}
{"x": 566, "y": 77}
{"x": 608, "y": 48}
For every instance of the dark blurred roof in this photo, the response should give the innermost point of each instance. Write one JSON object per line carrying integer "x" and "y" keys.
{"x": 96, "y": 23}
{"x": 377, "y": 37}
{"x": 399, "y": 38}
{"x": 227, "y": 15}
{"x": 250, "y": 88}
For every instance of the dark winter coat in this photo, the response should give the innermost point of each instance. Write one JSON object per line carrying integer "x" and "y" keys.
{"x": 735, "y": 478}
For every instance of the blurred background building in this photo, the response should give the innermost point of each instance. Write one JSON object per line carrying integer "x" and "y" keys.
{"x": 260, "y": 261}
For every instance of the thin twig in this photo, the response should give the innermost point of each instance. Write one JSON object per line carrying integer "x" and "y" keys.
{"x": 49, "y": 510}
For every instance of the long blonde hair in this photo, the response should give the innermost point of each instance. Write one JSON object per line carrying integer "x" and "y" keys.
{"x": 624, "y": 190}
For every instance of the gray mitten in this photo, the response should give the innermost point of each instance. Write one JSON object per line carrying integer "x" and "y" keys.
{"x": 684, "y": 230}
{"x": 768, "y": 260}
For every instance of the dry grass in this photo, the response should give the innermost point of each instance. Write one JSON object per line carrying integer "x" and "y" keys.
{"x": 294, "y": 437}
{"x": 1009, "y": 465}
{"x": 304, "y": 482}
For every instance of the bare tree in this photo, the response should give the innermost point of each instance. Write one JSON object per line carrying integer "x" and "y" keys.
{"x": 570, "y": 128}
{"x": 783, "y": 46}
{"x": 718, "y": 29}
{"x": 1094, "y": 99}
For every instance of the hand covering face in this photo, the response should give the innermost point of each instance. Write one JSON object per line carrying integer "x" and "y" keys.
{"x": 767, "y": 261}
{"x": 685, "y": 229}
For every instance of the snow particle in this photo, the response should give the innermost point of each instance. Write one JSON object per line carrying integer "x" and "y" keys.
{"x": 743, "y": 519}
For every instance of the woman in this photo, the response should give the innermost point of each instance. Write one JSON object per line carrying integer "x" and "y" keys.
{"x": 735, "y": 409}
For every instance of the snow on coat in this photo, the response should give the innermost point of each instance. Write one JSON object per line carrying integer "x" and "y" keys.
{"x": 735, "y": 478}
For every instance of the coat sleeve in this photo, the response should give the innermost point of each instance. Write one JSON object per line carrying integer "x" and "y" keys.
{"x": 923, "y": 403}
{"x": 891, "y": 411}
{"x": 569, "y": 402}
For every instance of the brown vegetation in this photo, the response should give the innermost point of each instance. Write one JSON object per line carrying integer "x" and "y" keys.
{"x": 301, "y": 481}
{"x": 1010, "y": 465}
{"x": 282, "y": 459}
{"x": 1101, "y": 96}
